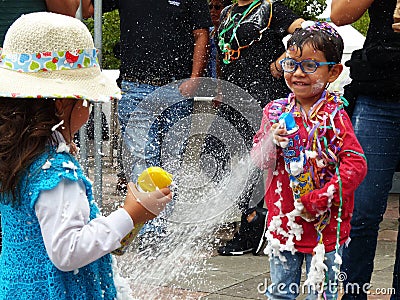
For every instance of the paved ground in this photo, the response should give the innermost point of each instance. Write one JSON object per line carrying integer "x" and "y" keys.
{"x": 244, "y": 277}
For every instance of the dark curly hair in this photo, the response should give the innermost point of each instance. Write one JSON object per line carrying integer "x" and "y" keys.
{"x": 322, "y": 37}
{"x": 25, "y": 129}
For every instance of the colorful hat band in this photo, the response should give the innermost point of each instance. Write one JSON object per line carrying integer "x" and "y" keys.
{"x": 49, "y": 61}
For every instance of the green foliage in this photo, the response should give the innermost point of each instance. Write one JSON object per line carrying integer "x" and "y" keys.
{"x": 307, "y": 9}
{"x": 110, "y": 36}
{"x": 362, "y": 24}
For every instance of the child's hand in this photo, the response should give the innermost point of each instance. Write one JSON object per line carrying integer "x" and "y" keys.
{"x": 216, "y": 102}
{"x": 275, "y": 71}
{"x": 189, "y": 87}
{"x": 303, "y": 211}
{"x": 307, "y": 216}
{"x": 279, "y": 131}
{"x": 144, "y": 206}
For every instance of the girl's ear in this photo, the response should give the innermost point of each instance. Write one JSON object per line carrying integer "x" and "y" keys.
{"x": 334, "y": 72}
{"x": 59, "y": 107}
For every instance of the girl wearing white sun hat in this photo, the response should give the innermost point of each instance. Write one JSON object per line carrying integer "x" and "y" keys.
{"x": 46, "y": 55}
{"x": 55, "y": 243}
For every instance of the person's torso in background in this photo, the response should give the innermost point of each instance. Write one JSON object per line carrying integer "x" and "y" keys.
{"x": 157, "y": 36}
{"x": 380, "y": 33}
{"x": 10, "y": 10}
{"x": 381, "y": 20}
{"x": 375, "y": 69}
{"x": 251, "y": 70}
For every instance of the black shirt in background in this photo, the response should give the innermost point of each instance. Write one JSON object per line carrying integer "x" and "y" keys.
{"x": 157, "y": 36}
{"x": 375, "y": 69}
{"x": 380, "y": 27}
{"x": 11, "y": 10}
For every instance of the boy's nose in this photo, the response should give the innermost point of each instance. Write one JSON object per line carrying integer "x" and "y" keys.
{"x": 299, "y": 72}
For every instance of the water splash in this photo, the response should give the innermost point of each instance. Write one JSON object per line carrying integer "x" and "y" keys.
{"x": 203, "y": 201}
{"x": 178, "y": 259}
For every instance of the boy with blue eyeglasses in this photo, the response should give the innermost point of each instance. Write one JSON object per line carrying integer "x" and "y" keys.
{"x": 319, "y": 164}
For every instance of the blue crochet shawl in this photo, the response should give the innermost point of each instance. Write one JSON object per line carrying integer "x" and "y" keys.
{"x": 26, "y": 271}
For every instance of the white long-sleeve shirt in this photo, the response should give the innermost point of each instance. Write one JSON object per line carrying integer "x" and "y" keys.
{"x": 70, "y": 239}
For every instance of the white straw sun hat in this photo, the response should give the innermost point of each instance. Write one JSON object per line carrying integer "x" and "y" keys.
{"x": 47, "y": 55}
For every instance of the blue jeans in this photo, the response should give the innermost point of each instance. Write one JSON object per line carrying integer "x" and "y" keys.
{"x": 376, "y": 125}
{"x": 285, "y": 276}
{"x": 155, "y": 124}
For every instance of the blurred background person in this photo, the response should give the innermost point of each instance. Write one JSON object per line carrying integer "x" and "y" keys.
{"x": 215, "y": 7}
{"x": 161, "y": 42}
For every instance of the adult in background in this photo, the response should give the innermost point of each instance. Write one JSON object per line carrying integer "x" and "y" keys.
{"x": 216, "y": 7}
{"x": 249, "y": 44}
{"x": 375, "y": 74}
{"x": 161, "y": 42}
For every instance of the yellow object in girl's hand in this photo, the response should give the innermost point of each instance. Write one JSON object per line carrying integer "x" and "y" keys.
{"x": 149, "y": 180}
{"x": 154, "y": 178}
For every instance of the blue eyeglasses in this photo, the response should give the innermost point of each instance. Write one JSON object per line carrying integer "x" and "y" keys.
{"x": 308, "y": 66}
